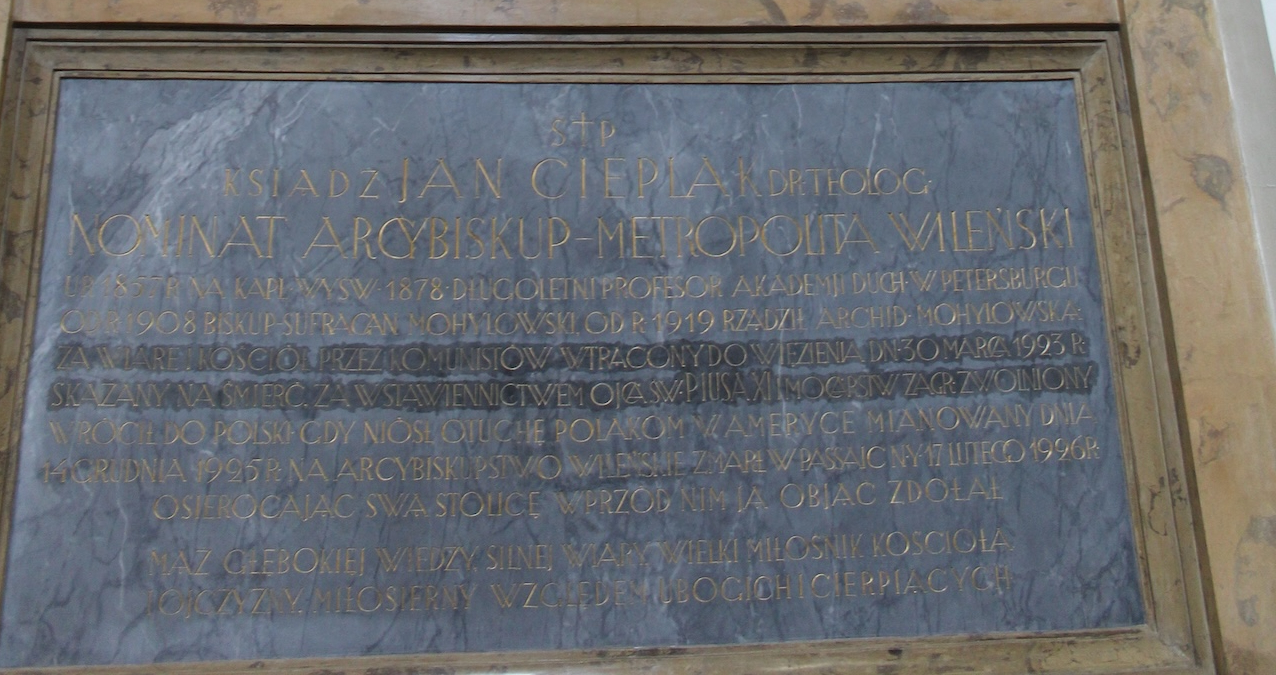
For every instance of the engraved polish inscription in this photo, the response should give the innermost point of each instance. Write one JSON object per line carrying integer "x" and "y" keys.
{"x": 375, "y": 368}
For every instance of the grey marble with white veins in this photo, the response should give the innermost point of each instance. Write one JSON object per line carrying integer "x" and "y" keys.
{"x": 109, "y": 567}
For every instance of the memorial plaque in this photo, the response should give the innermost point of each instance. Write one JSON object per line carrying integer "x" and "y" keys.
{"x": 351, "y": 368}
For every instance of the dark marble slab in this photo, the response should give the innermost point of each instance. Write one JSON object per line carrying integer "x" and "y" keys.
{"x": 682, "y": 376}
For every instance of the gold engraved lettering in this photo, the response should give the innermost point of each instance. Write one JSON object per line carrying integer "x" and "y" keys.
{"x": 518, "y": 557}
{"x": 121, "y": 235}
{"x": 403, "y": 598}
{"x": 179, "y": 562}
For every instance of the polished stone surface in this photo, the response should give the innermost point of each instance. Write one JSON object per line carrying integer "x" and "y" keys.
{"x": 821, "y": 343}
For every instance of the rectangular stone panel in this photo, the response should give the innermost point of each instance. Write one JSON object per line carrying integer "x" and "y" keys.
{"x": 336, "y": 368}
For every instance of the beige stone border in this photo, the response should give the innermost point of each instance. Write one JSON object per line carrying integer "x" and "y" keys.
{"x": 573, "y": 13}
{"x": 1224, "y": 365}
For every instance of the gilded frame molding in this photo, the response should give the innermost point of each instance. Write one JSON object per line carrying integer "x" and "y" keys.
{"x": 1176, "y": 637}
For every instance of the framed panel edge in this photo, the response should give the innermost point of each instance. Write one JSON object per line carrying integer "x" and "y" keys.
{"x": 1175, "y": 639}
{"x": 568, "y": 14}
